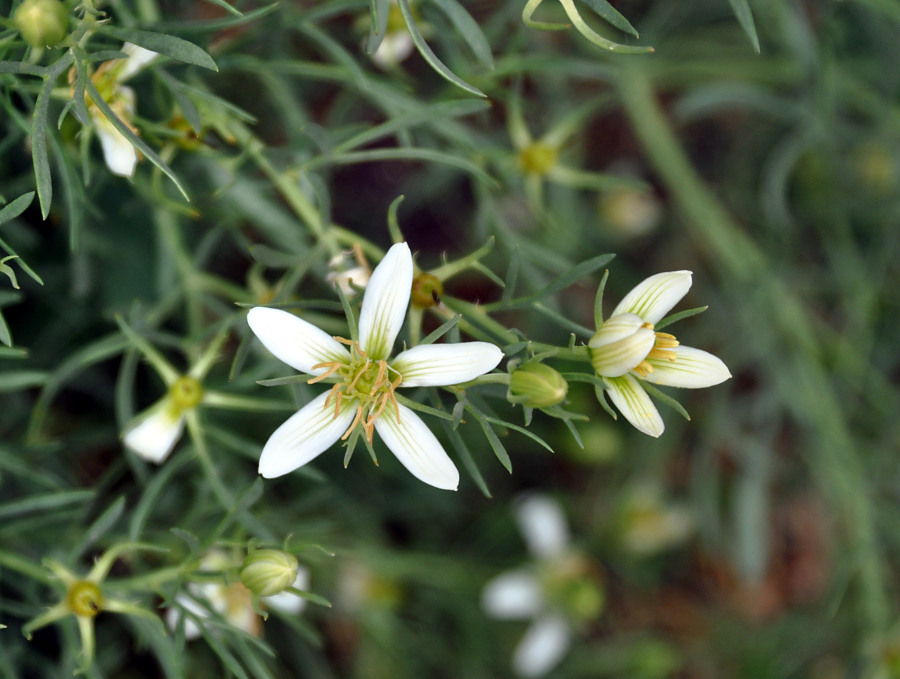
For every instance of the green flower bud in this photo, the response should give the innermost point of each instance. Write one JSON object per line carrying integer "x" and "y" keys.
{"x": 269, "y": 571}
{"x": 42, "y": 23}
{"x": 536, "y": 385}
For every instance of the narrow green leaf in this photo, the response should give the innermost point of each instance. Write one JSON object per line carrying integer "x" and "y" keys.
{"x": 16, "y": 207}
{"x": 21, "y": 262}
{"x": 468, "y": 461}
{"x": 429, "y": 55}
{"x": 598, "y": 301}
{"x": 521, "y": 430}
{"x": 493, "y": 439}
{"x": 227, "y": 7}
{"x": 611, "y": 15}
{"x": 681, "y": 315}
{"x": 45, "y": 502}
{"x": 39, "y": 148}
{"x": 136, "y": 141}
{"x": 466, "y": 26}
{"x": 665, "y": 398}
{"x": 741, "y": 9}
{"x": 379, "y": 10}
{"x": 560, "y": 283}
{"x": 5, "y": 338}
{"x": 169, "y": 45}
{"x": 20, "y": 379}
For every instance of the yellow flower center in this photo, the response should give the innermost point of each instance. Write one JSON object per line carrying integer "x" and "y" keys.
{"x": 537, "y": 158}
{"x": 367, "y": 382}
{"x": 84, "y": 598}
{"x": 661, "y": 349}
{"x": 186, "y": 393}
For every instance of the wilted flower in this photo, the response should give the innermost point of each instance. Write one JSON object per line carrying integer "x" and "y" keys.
{"x": 626, "y": 349}
{"x": 364, "y": 379}
{"x": 349, "y": 268}
{"x": 557, "y": 592}
{"x": 121, "y": 157}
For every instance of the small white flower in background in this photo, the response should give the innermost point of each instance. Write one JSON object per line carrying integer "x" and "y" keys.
{"x": 120, "y": 156}
{"x": 153, "y": 433}
{"x": 649, "y": 524}
{"x": 630, "y": 213}
{"x": 349, "y": 267}
{"x": 557, "y": 592}
{"x": 365, "y": 378}
{"x": 230, "y": 600}
{"x": 626, "y": 349}
{"x": 397, "y": 43}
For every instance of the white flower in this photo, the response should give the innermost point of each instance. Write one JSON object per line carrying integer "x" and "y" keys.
{"x": 120, "y": 156}
{"x": 556, "y": 592}
{"x": 365, "y": 378}
{"x": 230, "y": 600}
{"x": 153, "y": 434}
{"x": 626, "y": 349}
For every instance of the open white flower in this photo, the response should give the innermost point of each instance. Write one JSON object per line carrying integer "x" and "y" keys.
{"x": 364, "y": 379}
{"x": 120, "y": 156}
{"x": 556, "y": 592}
{"x": 626, "y": 349}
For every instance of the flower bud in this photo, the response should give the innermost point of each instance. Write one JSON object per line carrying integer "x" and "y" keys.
{"x": 269, "y": 571}
{"x": 536, "y": 385}
{"x": 621, "y": 344}
{"x": 426, "y": 291}
{"x": 42, "y": 23}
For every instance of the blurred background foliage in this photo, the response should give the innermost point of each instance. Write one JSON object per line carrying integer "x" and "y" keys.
{"x": 758, "y": 539}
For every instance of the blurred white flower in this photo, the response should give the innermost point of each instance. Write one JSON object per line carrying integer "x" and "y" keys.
{"x": 365, "y": 377}
{"x": 120, "y": 156}
{"x": 649, "y": 524}
{"x": 626, "y": 349}
{"x": 556, "y": 592}
{"x": 397, "y": 44}
{"x": 230, "y": 600}
{"x": 349, "y": 267}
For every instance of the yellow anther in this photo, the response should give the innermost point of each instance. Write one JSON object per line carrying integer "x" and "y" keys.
{"x": 665, "y": 341}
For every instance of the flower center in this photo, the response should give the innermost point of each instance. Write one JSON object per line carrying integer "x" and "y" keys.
{"x": 186, "y": 392}
{"x": 84, "y": 598}
{"x": 368, "y": 382}
{"x": 662, "y": 349}
{"x": 537, "y": 158}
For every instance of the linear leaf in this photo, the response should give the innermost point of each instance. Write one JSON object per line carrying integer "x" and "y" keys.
{"x": 469, "y": 29}
{"x": 169, "y": 45}
{"x": 136, "y": 141}
{"x": 611, "y": 15}
{"x": 16, "y": 207}
{"x": 744, "y": 16}
{"x": 429, "y": 55}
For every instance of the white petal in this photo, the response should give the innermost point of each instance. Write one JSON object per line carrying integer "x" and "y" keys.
{"x": 543, "y": 525}
{"x": 120, "y": 156}
{"x": 620, "y": 344}
{"x": 286, "y": 602}
{"x": 416, "y": 447}
{"x": 543, "y": 646}
{"x": 153, "y": 435}
{"x": 652, "y": 298}
{"x": 692, "y": 369}
{"x": 514, "y": 595}
{"x": 294, "y": 341}
{"x": 394, "y": 48}
{"x": 308, "y": 432}
{"x": 634, "y": 403}
{"x": 436, "y": 365}
{"x": 138, "y": 57}
{"x": 385, "y": 302}
{"x": 175, "y": 613}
